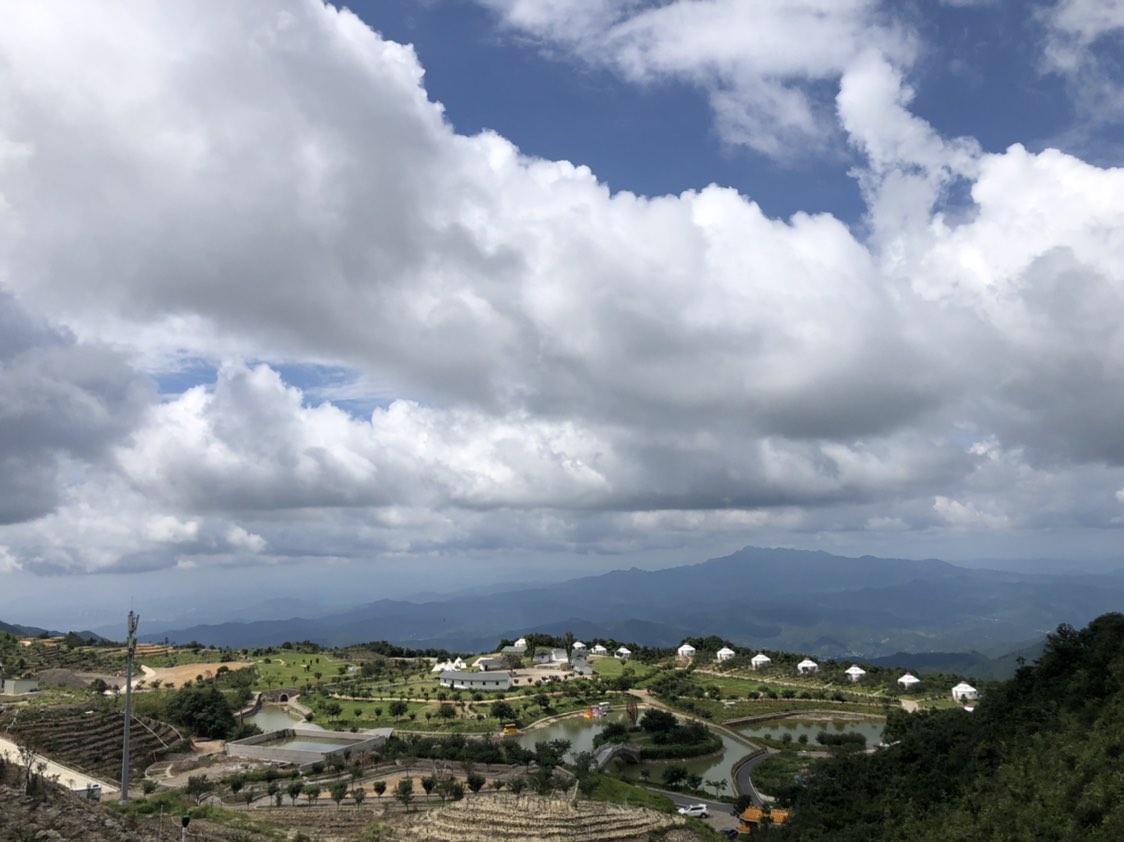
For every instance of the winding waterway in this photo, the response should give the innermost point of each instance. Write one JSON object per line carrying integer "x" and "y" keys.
{"x": 273, "y": 717}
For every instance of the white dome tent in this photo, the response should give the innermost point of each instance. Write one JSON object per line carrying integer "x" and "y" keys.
{"x": 807, "y": 667}
{"x": 908, "y": 682}
{"x": 624, "y": 653}
{"x": 760, "y": 661}
{"x": 855, "y": 673}
{"x": 725, "y": 653}
{"x": 965, "y": 692}
{"x": 687, "y": 651}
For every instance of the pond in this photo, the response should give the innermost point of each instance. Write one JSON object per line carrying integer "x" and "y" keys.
{"x": 810, "y": 728}
{"x": 713, "y": 767}
{"x": 298, "y": 743}
{"x": 577, "y": 729}
{"x": 580, "y": 732}
{"x": 276, "y": 718}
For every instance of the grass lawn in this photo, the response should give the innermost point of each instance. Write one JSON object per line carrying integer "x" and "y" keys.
{"x": 716, "y": 711}
{"x": 287, "y": 669}
{"x": 617, "y": 791}
{"x": 609, "y": 667}
{"x": 777, "y": 772}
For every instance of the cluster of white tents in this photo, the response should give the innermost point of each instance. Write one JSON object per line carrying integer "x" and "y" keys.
{"x": 456, "y": 665}
{"x": 962, "y": 692}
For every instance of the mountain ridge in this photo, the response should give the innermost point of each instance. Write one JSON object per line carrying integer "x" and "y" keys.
{"x": 793, "y": 600}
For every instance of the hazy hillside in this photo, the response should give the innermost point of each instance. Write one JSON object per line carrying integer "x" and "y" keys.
{"x": 34, "y": 631}
{"x": 812, "y": 602}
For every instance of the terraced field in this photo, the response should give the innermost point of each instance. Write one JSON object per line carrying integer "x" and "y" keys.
{"x": 91, "y": 740}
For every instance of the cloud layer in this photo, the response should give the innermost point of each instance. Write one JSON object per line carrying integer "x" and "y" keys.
{"x": 556, "y": 367}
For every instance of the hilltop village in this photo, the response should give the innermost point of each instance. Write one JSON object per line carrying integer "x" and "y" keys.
{"x": 389, "y": 737}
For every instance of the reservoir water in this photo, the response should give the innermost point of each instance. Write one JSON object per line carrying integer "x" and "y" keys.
{"x": 810, "y": 728}
{"x": 278, "y": 717}
{"x": 580, "y": 732}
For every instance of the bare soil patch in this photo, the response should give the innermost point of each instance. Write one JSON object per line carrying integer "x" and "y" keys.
{"x": 185, "y": 674}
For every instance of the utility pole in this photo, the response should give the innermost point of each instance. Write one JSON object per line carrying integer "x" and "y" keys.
{"x": 131, "y": 644}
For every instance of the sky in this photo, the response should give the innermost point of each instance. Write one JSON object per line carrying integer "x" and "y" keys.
{"x": 421, "y": 294}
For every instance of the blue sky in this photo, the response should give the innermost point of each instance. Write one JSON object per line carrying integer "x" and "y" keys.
{"x": 657, "y": 280}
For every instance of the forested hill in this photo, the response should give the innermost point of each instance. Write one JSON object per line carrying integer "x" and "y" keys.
{"x": 1040, "y": 758}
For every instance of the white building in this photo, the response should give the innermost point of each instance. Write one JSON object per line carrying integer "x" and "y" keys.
{"x": 559, "y": 656}
{"x": 964, "y": 692}
{"x": 726, "y": 653}
{"x": 686, "y": 651}
{"x": 807, "y": 667}
{"x": 908, "y": 681}
{"x": 855, "y": 673}
{"x": 18, "y": 686}
{"x": 578, "y": 646}
{"x": 457, "y": 680}
{"x": 598, "y": 649}
{"x": 624, "y": 654}
{"x": 760, "y": 661}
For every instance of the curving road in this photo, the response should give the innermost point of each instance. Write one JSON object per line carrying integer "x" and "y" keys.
{"x": 742, "y": 779}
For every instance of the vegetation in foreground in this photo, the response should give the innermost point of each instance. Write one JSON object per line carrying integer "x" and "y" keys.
{"x": 1039, "y": 758}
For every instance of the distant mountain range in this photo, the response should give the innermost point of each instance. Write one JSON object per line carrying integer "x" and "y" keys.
{"x": 813, "y": 602}
{"x": 34, "y": 631}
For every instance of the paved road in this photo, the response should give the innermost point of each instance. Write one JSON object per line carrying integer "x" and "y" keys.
{"x": 65, "y": 774}
{"x": 743, "y": 772}
{"x": 721, "y": 813}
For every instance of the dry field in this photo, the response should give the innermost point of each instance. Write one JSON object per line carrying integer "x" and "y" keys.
{"x": 187, "y": 673}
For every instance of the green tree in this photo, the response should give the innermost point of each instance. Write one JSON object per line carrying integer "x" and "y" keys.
{"x": 294, "y": 791}
{"x": 338, "y": 791}
{"x": 198, "y": 786}
{"x": 204, "y": 710}
{"x": 404, "y": 792}
{"x": 380, "y": 788}
{"x": 475, "y": 781}
{"x": 358, "y": 794}
{"x": 312, "y": 792}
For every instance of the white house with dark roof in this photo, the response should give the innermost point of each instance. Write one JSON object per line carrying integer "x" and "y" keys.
{"x": 855, "y": 673}
{"x": 488, "y": 681}
{"x": 725, "y": 653}
{"x": 807, "y": 667}
{"x": 909, "y": 681}
{"x": 965, "y": 692}
{"x": 760, "y": 661}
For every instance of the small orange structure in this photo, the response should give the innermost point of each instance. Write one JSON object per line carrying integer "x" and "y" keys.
{"x": 754, "y": 817}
